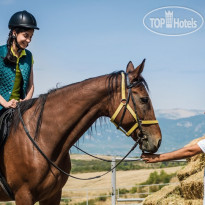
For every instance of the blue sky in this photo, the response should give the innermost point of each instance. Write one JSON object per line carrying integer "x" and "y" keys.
{"x": 87, "y": 38}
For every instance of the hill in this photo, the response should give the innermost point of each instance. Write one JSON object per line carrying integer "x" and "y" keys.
{"x": 105, "y": 139}
{"x": 177, "y": 113}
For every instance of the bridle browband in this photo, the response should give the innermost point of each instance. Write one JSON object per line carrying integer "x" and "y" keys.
{"x": 125, "y": 104}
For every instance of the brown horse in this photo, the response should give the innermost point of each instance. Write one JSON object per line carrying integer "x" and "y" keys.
{"x": 62, "y": 116}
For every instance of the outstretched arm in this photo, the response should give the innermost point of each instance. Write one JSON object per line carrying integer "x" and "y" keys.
{"x": 178, "y": 154}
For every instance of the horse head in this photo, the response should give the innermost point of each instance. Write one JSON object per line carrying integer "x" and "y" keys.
{"x": 135, "y": 115}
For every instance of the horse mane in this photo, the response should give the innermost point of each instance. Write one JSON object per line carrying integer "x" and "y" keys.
{"x": 41, "y": 100}
{"x": 26, "y": 105}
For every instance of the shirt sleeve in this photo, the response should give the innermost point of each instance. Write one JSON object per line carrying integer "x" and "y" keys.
{"x": 201, "y": 144}
{"x": 32, "y": 61}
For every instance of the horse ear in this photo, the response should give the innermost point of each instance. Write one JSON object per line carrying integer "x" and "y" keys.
{"x": 140, "y": 67}
{"x": 130, "y": 67}
{"x": 136, "y": 73}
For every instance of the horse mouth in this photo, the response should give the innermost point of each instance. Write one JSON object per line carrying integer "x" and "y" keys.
{"x": 145, "y": 147}
{"x": 149, "y": 144}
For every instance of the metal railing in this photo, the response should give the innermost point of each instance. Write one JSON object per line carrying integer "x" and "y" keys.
{"x": 86, "y": 194}
{"x": 113, "y": 164}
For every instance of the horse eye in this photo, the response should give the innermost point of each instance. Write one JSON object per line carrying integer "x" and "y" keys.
{"x": 144, "y": 100}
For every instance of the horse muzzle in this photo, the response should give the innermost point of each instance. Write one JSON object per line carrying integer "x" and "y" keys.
{"x": 149, "y": 143}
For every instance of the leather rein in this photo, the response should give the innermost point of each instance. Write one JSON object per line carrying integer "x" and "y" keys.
{"x": 124, "y": 103}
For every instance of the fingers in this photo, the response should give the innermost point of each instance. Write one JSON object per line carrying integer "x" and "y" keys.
{"x": 150, "y": 158}
{"x": 13, "y": 103}
{"x": 144, "y": 158}
{"x": 21, "y": 100}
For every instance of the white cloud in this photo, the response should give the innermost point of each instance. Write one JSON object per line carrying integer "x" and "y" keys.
{"x": 198, "y": 127}
{"x": 88, "y": 137}
{"x": 184, "y": 124}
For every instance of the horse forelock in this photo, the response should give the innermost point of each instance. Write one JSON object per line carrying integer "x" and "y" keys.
{"x": 143, "y": 81}
{"x": 113, "y": 82}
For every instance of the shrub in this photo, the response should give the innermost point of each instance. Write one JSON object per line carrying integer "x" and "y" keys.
{"x": 133, "y": 190}
{"x": 155, "y": 178}
{"x": 123, "y": 191}
{"x": 90, "y": 202}
{"x": 102, "y": 198}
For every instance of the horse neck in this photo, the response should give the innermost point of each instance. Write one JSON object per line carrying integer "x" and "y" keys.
{"x": 70, "y": 111}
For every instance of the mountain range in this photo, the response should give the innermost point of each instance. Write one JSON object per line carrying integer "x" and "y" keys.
{"x": 177, "y": 113}
{"x": 178, "y": 128}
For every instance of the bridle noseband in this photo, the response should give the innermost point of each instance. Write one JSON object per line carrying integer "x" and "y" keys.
{"x": 125, "y": 103}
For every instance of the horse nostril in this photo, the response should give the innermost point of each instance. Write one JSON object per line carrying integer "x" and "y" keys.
{"x": 142, "y": 135}
{"x": 159, "y": 143}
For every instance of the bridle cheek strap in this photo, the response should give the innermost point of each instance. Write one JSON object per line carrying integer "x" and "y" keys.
{"x": 122, "y": 104}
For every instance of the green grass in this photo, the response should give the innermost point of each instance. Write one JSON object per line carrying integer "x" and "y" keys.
{"x": 154, "y": 178}
{"x": 83, "y": 166}
{"x": 93, "y": 201}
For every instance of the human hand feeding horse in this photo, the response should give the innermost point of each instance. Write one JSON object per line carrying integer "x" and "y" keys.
{"x": 56, "y": 127}
{"x": 182, "y": 153}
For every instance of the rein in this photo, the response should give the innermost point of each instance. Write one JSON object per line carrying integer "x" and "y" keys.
{"x": 56, "y": 166}
{"x": 105, "y": 160}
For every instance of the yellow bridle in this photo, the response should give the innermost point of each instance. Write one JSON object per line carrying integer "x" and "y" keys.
{"x": 122, "y": 104}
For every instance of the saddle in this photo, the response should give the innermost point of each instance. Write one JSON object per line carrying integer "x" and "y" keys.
{"x": 5, "y": 124}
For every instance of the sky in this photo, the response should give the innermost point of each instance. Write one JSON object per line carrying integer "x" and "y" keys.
{"x": 87, "y": 38}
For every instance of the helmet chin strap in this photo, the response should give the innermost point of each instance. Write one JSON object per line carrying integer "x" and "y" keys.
{"x": 19, "y": 49}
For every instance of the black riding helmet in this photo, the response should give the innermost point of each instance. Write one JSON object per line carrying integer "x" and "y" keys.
{"x": 23, "y": 19}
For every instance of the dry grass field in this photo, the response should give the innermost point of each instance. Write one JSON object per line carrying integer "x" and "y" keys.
{"x": 97, "y": 187}
{"x": 100, "y": 186}
{"x": 123, "y": 179}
